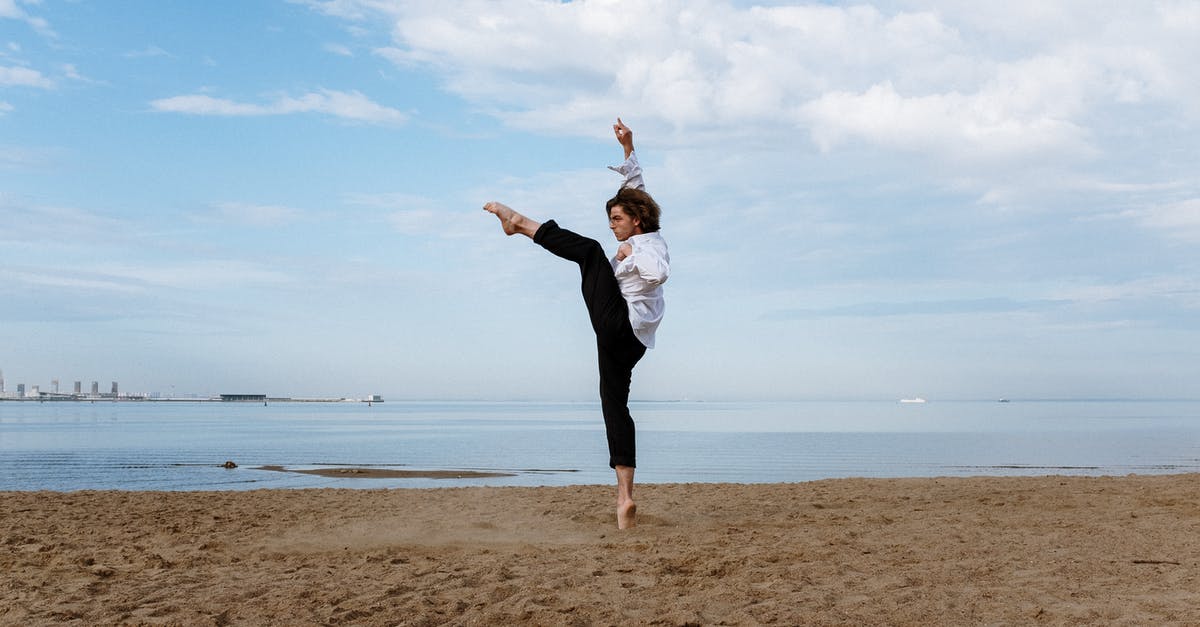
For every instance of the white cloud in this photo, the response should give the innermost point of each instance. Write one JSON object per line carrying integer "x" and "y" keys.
{"x": 4, "y": 108}
{"x": 200, "y": 104}
{"x": 10, "y": 9}
{"x": 338, "y": 49}
{"x": 23, "y": 77}
{"x": 385, "y": 200}
{"x": 42, "y": 279}
{"x": 937, "y": 79}
{"x": 337, "y": 8}
{"x": 255, "y": 214}
{"x": 71, "y": 72}
{"x": 346, "y": 105}
{"x": 44, "y": 225}
{"x": 1180, "y": 220}
{"x": 1183, "y": 290}
{"x": 411, "y": 214}
{"x": 148, "y": 52}
{"x": 202, "y": 274}
{"x": 413, "y": 221}
{"x": 990, "y": 123}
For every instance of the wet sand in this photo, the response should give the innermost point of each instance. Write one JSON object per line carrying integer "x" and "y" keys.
{"x": 1007, "y": 551}
{"x": 388, "y": 473}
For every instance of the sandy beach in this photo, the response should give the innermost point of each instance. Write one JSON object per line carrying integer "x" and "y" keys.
{"x": 1005, "y": 551}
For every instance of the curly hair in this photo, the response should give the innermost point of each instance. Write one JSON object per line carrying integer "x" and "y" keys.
{"x": 639, "y": 205}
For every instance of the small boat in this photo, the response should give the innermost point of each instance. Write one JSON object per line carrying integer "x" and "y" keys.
{"x": 917, "y": 399}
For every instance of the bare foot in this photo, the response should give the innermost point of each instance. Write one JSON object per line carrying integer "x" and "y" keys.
{"x": 626, "y": 509}
{"x": 626, "y": 515}
{"x": 511, "y": 221}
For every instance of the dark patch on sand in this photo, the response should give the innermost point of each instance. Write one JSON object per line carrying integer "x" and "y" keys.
{"x": 388, "y": 473}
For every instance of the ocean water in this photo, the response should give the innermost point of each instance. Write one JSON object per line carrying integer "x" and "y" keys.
{"x": 180, "y": 446}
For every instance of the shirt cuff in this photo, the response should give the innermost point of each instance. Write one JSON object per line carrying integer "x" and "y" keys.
{"x": 632, "y": 171}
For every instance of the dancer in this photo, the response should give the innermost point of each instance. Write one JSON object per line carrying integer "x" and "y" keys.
{"x": 624, "y": 299}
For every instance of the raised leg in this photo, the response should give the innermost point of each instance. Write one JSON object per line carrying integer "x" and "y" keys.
{"x": 511, "y": 221}
{"x": 601, "y": 294}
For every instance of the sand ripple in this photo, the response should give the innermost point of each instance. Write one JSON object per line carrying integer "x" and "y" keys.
{"x": 1051, "y": 550}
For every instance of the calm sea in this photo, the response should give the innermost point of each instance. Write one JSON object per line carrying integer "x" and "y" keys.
{"x": 180, "y": 446}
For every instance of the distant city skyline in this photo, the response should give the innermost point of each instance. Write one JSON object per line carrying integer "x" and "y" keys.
{"x": 23, "y": 388}
{"x": 34, "y": 390}
{"x": 863, "y": 200}
{"x": 33, "y": 387}
{"x": 54, "y": 386}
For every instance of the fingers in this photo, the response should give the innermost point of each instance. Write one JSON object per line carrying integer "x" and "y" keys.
{"x": 621, "y": 130}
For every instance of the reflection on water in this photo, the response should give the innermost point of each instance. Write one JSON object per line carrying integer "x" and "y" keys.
{"x": 180, "y": 446}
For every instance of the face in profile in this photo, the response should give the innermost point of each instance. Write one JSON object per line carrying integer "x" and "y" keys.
{"x": 622, "y": 224}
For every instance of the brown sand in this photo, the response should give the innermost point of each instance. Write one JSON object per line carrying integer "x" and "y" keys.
{"x": 1003, "y": 551}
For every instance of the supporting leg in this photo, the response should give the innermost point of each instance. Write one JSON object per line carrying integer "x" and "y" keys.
{"x": 616, "y": 368}
{"x": 616, "y": 371}
{"x": 619, "y": 350}
{"x": 626, "y": 508}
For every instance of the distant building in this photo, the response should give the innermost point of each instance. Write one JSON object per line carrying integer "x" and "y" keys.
{"x": 54, "y": 385}
{"x": 95, "y": 388}
{"x": 20, "y": 390}
{"x": 114, "y": 388}
{"x": 78, "y": 388}
{"x": 244, "y": 398}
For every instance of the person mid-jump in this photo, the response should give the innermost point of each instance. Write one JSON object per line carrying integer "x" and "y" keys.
{"x": 624, "y": 299}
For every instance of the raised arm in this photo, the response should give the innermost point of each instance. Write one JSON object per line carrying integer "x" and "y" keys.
{"x": 624, "y": 137}
{"x": 631, "y": 169}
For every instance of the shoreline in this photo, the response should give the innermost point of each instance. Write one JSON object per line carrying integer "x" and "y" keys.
{"x": 347, "y": 472}
{"x": 70, "y": 398}
{"x": 948, "y": 550}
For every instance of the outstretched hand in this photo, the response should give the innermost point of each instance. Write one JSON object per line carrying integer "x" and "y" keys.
{"x": 624, "y": 136}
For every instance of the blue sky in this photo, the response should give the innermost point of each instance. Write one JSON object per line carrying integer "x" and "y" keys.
{"x": 868, "y": 200}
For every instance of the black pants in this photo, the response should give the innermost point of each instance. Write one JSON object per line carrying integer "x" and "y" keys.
{"x": 618, "y": 348}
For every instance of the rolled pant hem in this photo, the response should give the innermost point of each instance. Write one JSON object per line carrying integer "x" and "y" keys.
{"x": 539, "y": 235}
{"x": 613, "y": 463}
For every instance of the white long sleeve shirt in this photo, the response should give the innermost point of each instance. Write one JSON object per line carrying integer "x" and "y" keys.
{"x": 642, "y": 273}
